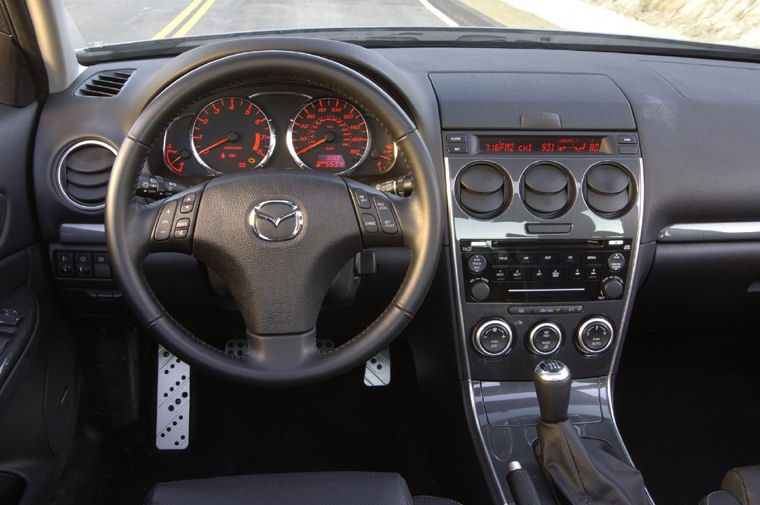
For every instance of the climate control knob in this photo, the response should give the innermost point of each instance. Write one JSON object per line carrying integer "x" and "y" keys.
{"x": 493, "y": 338}
{"x": 479, "y": 291}
{"x": 545, "y": 339}
{"x": 612, "y": 288}
{"x": 595, "y": 336}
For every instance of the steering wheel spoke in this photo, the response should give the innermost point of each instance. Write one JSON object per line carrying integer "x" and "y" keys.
{"x": 282, "y": 353}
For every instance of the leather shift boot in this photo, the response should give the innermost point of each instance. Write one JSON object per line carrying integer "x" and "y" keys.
{"x": 584, "y": 470}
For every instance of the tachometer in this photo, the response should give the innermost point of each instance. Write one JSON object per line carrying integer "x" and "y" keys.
{"x": 232, "y": 134}
{"x": 329, "y": 134}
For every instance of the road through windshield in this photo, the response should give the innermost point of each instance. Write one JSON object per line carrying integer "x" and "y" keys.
{"x": 732, "y": 22}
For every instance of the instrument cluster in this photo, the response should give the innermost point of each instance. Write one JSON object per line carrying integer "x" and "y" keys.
{"x": 238, "y": 130}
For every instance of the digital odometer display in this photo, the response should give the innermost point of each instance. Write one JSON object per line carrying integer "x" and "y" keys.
{"x": 542, "y": 144}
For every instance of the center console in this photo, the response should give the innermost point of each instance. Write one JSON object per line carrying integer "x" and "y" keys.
{"x": 545, "y": 234}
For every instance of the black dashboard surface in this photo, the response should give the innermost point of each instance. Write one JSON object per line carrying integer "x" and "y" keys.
{"x": 696, "y": 120}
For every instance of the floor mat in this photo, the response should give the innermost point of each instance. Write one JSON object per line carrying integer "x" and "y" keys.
{"x": 338, "y": 425}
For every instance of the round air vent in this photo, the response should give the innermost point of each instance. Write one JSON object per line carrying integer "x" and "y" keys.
{"x": 548, "y": 190}
{"x": 483, "y": 190}
{"x": 83, "y": 173}
{"x": 609, "y": 190}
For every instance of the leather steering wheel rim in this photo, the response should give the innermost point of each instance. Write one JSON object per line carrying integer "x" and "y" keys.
{"x": 270, "y": 363}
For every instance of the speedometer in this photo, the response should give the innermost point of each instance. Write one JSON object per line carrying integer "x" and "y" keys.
{"x": 330, "y": 135}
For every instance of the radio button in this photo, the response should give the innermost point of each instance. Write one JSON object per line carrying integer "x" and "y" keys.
{"x": 500, "y": 274}
{"x": 539, "y": 274}
{"x": 479, "y": 291}
{"x": 570, "y": 259}
{"x": 548, "y": 259}
{"x": 591, "y": 273}
{"x": 575, "y": 274}
{"x": 592, "y": 259}
{"x": 504, "y": 259}
{"x": 477, "y": 263}
{"x": 526, "y": 258}
{"x": 616, "y": 262}
{"x": 456, "y": 139}
{"x": 555, "y": 274}
{"x": 612, "y": 288}
{"x": 517, "y": 274}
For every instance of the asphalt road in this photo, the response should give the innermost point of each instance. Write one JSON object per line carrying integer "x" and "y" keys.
{"x": 98, "y": 23}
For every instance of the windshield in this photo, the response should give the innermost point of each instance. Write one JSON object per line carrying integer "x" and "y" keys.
{"x": 733, "y": 22}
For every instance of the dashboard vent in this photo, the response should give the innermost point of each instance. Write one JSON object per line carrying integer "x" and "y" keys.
{"x": 105, "y": 83}
{"x": 548, "y": 190}
{"x": 483, "y": 190}
{"x": 83, "y": 173}
{"x": 609, "y": 190}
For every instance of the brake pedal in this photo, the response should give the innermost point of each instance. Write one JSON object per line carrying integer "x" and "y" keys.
{"x": 172, "y": 402}
{"x": 377, "y": 370}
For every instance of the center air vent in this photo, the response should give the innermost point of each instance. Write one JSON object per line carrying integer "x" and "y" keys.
{"x": 83, "y": 173}
{"x": 483, "y": 190}
{"x": 105, "y": 83}
{"x": 548, "y": 190}
{"x": 609, "y": 190}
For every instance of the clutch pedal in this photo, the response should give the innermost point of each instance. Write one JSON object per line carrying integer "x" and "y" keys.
{"x": 172, "y": 402}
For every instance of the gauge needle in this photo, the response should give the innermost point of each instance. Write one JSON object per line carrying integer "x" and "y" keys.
{"x": 315, "y": 144}
{"x": 204, "y": 151}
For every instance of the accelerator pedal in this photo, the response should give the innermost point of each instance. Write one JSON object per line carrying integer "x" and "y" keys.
{"x": 377, "y": 370}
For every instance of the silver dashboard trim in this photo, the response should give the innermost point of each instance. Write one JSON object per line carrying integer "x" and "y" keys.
{"x": 460, "y": 324}
{"x": 59, "y": 175}
{"x": 460, "y": 318}
{"x": 710, "y": 232}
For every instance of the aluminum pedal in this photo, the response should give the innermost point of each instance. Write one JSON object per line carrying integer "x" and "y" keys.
{"x": 172, "y": 402}
{"x": 377, "y": 370}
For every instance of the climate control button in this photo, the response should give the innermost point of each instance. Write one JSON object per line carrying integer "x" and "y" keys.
{"x": 545, "y": 339}
{"x": 493, "y": 338}
{"x": 595, "y": 336}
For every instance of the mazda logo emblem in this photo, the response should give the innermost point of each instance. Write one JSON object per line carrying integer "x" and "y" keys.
{"x": 276, "y": 220}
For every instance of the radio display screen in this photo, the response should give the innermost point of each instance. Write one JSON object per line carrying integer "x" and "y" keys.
{"x": 519, "y": 144}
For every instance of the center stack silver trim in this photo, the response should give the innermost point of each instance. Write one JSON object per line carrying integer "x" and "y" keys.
{"x": 463, "y": 335}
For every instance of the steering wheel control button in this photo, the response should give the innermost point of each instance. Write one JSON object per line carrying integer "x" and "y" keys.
{"x": 616, "y": 262}
{"x": 370, "y": 223}
{"x": 183, "y": 223}
{"x": 477, "y": 263}
{"x": 595, "y": 336}
{"x": 480, "y": 290}
{"x": 545, "y": 339}
{"x": 180, "y": 233}
{"x": 387, "y": 221}
{"x": 186, "y": 208}
{"x": 493, "y": 338}
{"x": 612, "y": 288}
{"x": 362, "y": 199}
{"x": 165, "y": 220}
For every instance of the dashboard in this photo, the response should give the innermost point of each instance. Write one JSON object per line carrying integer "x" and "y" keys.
{"x": 569, "y": 176}
{"x": 275, "y": 126}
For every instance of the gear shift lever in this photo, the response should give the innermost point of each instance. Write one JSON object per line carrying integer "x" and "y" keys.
{"x": 552, "y": 380}
{"x": 583, "y": 470}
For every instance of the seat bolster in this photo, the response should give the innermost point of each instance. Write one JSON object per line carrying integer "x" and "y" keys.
{"x": 719, "y": 498}
{"x": 744, "y": 483}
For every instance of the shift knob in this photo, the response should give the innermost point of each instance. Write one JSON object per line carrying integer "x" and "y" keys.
{"x": 552, "y": 380}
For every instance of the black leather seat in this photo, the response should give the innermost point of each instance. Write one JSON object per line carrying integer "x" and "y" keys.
{"x": 322, "y": 488}
{"x": 740, "y": 486}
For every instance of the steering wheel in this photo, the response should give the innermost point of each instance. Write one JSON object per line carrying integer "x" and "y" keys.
{"x": 277, "y": 238}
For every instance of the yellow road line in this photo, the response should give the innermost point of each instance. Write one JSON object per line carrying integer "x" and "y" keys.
{"x": 176, "y": 21}
{"x": 196, "y": 17}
